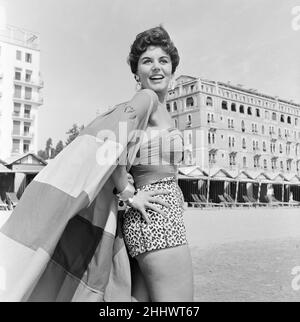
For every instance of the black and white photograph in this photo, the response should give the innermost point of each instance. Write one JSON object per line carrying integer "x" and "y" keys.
{"x": 149, "y": 152}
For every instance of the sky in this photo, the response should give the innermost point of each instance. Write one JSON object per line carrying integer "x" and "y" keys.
{"x": 85, "y": 43}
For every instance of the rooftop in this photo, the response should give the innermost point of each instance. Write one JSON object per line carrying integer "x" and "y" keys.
{"x": 18, "y": 36}
{"x": 239, "y": 87}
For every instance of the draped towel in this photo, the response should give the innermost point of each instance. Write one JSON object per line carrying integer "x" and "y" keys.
{"x": 63, "y": 240}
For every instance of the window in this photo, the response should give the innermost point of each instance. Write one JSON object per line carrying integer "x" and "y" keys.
{"x": 176, "y": 124}
{"x": 289, "y": 120}
{"x": 18, "y": 73}
{"x": 257, "y": 112}
{"x": 18, "y": 55}
{"x": 264, "y": 146}
{"x": 249, "y": 110}
{"x": 18, "y": 90}
{"x": 233, "y": 107}
{"x": 28, "y": 93}
{"x": 28, "y": 75}
{"x": 244, "y": 143}
{"x": 266, "y": 115}
{"x": 189, "y": 120}
{"x": 189, "y": 102}
{"x": 265, "y": 164}
{"x": 262, "y": 130}
{"x": 243, "y": 126}
{"x": 26, "y": 145}
{"x": 224, "y": 105}
{"x": 16, "y": 127}
{"x": 212, "y": 157}
{"x": 211, "y": 138}
{"x": 242, "y": 109}
{"x": 244, "y": 162}
{"x": 209, "y": 101}
{"x": 168, "y": 107}
{"x": 282, "y": 118}
{"x": 208, "y": 118}
{"x": 26, "y": 128}
{"x": 27, "y": 109}
{"x": 16, "y": 146}
{"x": 274, "y": 116}
{"x": 28, "y": 58}
{"x": 175, "y": 106}
{"x": 17, "y": 109}
{"x": 232, "y": 159}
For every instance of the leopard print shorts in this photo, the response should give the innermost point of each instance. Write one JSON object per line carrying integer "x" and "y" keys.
{"x": 163, "y": 231}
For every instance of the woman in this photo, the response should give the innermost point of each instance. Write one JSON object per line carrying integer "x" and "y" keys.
{"x": 63, "y": 241}
{"x": 153, "y": 226}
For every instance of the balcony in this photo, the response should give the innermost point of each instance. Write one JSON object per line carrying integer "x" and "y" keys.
{"x": 24, "y": 117}
{"x": 39, "y": 83}
{"x": 23, "y": 135}
{"x": 30, "y": 100}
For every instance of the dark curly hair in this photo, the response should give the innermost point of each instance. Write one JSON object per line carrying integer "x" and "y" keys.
{"x": 156, "y": 36}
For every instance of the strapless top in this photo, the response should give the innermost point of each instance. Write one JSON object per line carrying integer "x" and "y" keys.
{"x": 158, "y": 157}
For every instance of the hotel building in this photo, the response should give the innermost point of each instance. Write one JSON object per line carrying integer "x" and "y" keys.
{"x": 20, "y": 97}
{"x": 235, "y": 128}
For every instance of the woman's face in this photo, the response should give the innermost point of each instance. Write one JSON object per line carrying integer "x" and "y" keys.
{"x": 155, "y": 70}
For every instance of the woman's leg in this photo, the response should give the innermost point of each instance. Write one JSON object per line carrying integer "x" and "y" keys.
{"x": 139, "y": 292}
{"x": 168, "y": 274}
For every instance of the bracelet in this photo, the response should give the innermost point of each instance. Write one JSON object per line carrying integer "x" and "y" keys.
{"x": 127, "y": 193}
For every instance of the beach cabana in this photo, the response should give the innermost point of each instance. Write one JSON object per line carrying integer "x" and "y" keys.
{"x": 25, "y": 167}
{"x": 242, "y": 179}
{"x": 192, "y": 180}
{"x": 6, "y": 181}
{"x": 219, "y": 181}
{"x": 293, "y": 186}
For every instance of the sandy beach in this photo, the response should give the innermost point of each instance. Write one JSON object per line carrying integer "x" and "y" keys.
{"x": 244, "y": 254}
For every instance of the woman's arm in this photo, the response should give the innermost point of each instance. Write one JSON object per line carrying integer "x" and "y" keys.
{"x": 120, "y": 178}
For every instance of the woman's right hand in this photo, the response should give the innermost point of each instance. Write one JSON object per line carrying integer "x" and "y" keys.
{"x": 146, "y": 199}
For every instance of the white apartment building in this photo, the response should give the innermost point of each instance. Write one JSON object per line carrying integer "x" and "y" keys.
{"x": 20, "y": 97}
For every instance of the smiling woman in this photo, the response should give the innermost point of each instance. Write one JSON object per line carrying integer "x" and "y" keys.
{"x": 153, "y": 225}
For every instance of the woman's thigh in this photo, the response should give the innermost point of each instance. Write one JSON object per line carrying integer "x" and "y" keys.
{"x": 168, "y": 274}
{"x": 139, "y": 292}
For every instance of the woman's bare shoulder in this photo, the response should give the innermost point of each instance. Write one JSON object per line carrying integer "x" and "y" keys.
{"x": 144, "y": 100}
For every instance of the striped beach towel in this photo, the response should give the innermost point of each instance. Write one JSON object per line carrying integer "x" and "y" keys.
{"x": 63, "y": 241}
